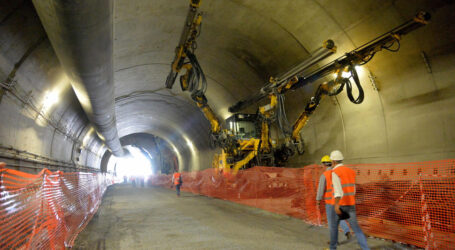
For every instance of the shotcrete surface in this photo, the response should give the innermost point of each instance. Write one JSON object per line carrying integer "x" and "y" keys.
{"x": 155, "y": 218}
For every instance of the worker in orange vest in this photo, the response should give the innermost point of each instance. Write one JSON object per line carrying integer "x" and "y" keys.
{"x": 325, "y": 191}
{"x": 342, "y": 180}
{"x": 177, "y": 181}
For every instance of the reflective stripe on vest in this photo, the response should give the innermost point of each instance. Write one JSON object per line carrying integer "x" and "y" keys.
{"x": 328, "y": 195}
{"x": 347, "y": 178}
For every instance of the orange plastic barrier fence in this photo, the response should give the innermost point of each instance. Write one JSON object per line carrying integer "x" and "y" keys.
{"x": 412, "y": 203}
{"x": 47, "y": 210}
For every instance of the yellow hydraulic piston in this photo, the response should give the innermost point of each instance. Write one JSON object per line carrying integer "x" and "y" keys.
{"x": 267, "y": 112}
{"x": 251, "y": 144}
{"x": 299, "y": 124}
{"x": 208, "y": 113}
{"x": 220, "y": 161}
{"x": 265, "y": 138}
{"x": 323, "y": 90}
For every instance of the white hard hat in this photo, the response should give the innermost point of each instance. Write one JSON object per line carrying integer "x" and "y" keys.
{"x": 336, "y": 155}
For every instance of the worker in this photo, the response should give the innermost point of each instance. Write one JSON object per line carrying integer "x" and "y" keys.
{"x": 326, "y": 191}
{"x": 177, "y": 181}
{"x": 342, "y": 181}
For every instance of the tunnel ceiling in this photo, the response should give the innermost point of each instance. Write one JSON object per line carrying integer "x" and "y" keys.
{"x": 242, "y": 44}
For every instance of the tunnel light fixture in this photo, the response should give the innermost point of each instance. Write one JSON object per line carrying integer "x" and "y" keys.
{"x": 50, "y": 98}
{"x": 346, "y": 74}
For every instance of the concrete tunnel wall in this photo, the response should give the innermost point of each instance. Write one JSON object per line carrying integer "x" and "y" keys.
{"x": 22, "y": 128}
{"x": 411, "y": 117}
{"x": 242, "y": 44}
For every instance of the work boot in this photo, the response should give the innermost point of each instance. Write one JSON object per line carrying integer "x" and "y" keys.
{"x": 348, "y": 236}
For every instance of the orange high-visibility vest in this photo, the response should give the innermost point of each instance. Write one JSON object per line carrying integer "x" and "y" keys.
{"x": 347, "y": 178}
{"x": 176, "y": 178}
{"x": 328, "y": 195}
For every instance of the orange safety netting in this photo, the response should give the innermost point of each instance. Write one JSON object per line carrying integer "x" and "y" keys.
{"x": 47, "y": 210}
{"x": 412, "y": 203}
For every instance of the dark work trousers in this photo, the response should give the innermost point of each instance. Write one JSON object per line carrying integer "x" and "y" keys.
{"x": 335, "y": 221}
{"x": 177, "y": 187}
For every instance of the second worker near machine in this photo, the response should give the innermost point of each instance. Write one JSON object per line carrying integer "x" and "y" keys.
{"x": 326, "y": 193}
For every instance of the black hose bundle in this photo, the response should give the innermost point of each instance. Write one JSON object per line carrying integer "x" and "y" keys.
{"x": 347, "y": 82}
{"x": 197, "y": 83}
{"x": 361, "y": 95}
{"x": 283, "y": 121}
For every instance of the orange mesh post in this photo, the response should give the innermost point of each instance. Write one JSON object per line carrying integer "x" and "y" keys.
{"x": 412, "y": 203}
{"x": 47, "y": 210}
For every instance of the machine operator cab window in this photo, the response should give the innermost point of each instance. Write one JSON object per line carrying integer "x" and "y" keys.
{"x": 244, "y": 126}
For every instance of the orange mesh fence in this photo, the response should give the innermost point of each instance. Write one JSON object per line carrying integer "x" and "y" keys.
{"x": 47, "y": 210}
{"x": 412, "y": 203}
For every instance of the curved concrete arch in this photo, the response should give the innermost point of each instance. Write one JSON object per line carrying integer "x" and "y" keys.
{"x": 181, "y": 125}
{"x": 242, "y": 44}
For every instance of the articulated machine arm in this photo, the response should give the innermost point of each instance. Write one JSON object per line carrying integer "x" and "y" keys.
{"x": 201, "y": 102}
{"x": 274, "y": 111}
{"x": 187, "y": 41}
{"x": 343, "y": 67}
{"x": 366, "y": 52}
{"x": 284, "y": 82}
{"x": 235, "y": 153}
{"x": 194, "y": 79}
{"x": 327, "y": 88}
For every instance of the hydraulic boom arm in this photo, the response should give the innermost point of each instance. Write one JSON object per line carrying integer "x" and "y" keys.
{"x": 344, "y": 67}
{"x": 285, "y": 81}
{"x": 187, "y": 41}
{"x": 365, "y": 53}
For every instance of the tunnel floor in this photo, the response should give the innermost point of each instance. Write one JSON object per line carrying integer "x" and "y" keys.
{"x": 154, "y": 218}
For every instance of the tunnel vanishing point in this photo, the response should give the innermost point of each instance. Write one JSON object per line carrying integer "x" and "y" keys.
{"x": 243, "y": 98}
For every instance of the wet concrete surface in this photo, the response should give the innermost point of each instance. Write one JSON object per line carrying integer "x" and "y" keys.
{"x": 155, "y": 218}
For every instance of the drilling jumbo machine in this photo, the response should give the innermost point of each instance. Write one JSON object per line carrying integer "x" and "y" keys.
{"x": 247, "y": 141}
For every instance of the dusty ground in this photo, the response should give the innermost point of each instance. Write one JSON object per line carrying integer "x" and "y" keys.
{"x": 154, "y": 218}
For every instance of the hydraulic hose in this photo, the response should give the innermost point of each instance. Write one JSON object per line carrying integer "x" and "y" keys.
{"x": 197, "y": 83}
{"x": 361, "y": 95}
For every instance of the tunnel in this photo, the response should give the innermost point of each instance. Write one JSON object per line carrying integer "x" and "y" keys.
{"x": 103, "y": 101}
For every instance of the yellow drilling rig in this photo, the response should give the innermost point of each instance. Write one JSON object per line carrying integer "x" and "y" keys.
{"x": 246, "y": 141}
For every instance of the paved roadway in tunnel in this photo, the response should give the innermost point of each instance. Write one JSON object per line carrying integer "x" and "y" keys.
{"x": 154, "y": 218}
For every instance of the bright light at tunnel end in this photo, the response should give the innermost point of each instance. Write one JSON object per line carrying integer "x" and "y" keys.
{"x": 136, "y": 164}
